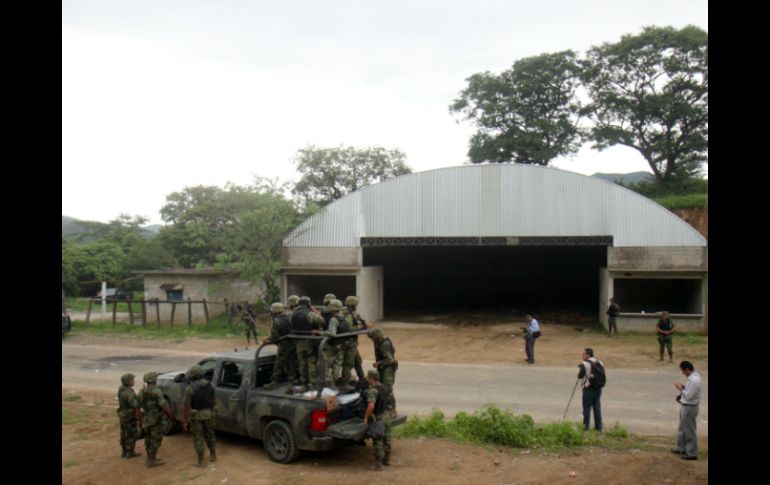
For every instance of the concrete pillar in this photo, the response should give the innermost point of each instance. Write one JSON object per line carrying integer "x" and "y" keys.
{"x": 369, "y": 285}
{"x": 606, "y": 291}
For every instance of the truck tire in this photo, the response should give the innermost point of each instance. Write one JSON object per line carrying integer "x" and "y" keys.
{"x": 279, "y": 443}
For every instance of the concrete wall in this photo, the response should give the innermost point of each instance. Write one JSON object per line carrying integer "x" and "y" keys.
{"x": 645, "y": 323}
{"x": 196, "y": 288}
{"x": 657, "y": 258}
{"x": 322, "y": 257}
{"x": 605, "y": 293}
{"x": 369, "y": 288}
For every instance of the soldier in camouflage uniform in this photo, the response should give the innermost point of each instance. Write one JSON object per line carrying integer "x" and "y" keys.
{"x": 303, "y": 322}
{"x": 249, "y": 318}
{"x": 352, "y": 357}
{"x": 129, "y": 416}
{"x": 333, "y": 350}
{"x": 385, "y": 363}
{"x": 378, "y": 414}
{"x": 284, "y": 364}
{"x": 153, "y": 404}
{"x": 199, "y": 412}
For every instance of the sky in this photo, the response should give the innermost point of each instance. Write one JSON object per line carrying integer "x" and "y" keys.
{"x": 162, "y": 94}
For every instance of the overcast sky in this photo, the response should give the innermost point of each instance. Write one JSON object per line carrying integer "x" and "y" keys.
{"x": 158, "y": 95}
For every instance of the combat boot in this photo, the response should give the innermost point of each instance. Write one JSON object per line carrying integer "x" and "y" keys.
{"x": 130, "y": 453}
{"x": 271, "y": 385}
{"x": 200, "y": 463}
{"x": 386, "y": 459}
{"x": 123, "y": 453}
{"x": 213, "y": 456}
{"x": 375, "y": 466}
{"x": 153, "y": 461}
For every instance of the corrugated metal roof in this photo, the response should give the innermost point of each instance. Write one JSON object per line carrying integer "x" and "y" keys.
{"x": 503, "y": 200}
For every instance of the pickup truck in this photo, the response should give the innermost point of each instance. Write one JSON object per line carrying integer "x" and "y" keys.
{"x": 285, "y": 423}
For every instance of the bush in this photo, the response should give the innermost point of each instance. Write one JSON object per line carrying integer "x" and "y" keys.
{"x": 493, "y": 425}
{"x": 688, "y": 201}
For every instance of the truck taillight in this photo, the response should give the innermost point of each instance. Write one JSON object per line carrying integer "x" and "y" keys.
{"x": 318, "y": 420}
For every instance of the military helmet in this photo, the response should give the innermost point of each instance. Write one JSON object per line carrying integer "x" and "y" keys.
{"x": 126, "y": 378}
{"x": 329, "y": 297}
{"x": 151, "y": 377}
{"x": 196, "y": 372}
{"x": 373, "y": 374}
{"x": 375, "y": 333}
{"x": 334, "y": 305}
{"x": 293, "y": 300}
{"x": 351, "y": 301}
{"x": 277, "y": 307}
{"x": 305, "y": 299}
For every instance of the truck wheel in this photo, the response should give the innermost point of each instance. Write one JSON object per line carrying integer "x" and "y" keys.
{"x": 279, "y": 442}
{"x": 168, "y": 426}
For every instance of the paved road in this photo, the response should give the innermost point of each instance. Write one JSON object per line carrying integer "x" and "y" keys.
{"x": 641, "y": 400}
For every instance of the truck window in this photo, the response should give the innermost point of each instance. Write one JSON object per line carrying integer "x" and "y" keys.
{"x": 231, "y": 375}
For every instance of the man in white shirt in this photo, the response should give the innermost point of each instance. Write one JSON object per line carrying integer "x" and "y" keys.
{"x": 686, "y": 438}
{"x": 531, "y": 332}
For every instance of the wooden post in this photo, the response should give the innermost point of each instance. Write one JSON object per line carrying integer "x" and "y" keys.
{"x": 227, "y": 311}
{"x": 144, "y": 312}
{"x": 114, "y": 310}
{"x": 189, "y": 311}
{"x": 173, "y": 311}
{"x": 206, "y": 310}
{"x": 130, "y": 310}
{"x": 88, "y": 315}
{"x": 157, "y": 311}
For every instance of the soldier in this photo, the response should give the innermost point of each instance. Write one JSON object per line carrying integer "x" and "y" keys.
{"x": 249, "y": 317}
{"x": 287, "y": 349}
{"x": 292, "y": 301}
{"x": 352, "y": 357}
{"x": 199, "y": 412}
{"x": 153, "y": 403}
{"x": 386, "y": 363}
{"x": 378, "y": 413}
{"x": 665, "y": 328}
{"x": 129, "y": 416}
{"x": 333, "y": 350}
{"x": 303, "y": 322}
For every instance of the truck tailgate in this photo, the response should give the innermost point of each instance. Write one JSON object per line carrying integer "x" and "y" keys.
{"x": 354, "y": 428}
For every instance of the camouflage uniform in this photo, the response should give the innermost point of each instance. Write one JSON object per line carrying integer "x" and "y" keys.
{"x": 201, "y": 416}
{"x": 386, "y": 363}
{"x": 250, "y": 320}
{"x": 303, "y": 321}
{"x": 377, "y": 393}
{"x": 152, "y": 400}
{"x": 128, "y": 414}
{"x": 285, "y": 358}
{"x": 333, "y": 350}
{"x": 352, "y": 357}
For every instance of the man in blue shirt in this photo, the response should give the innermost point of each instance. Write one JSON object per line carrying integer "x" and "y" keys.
{"x": 531, "y": 332}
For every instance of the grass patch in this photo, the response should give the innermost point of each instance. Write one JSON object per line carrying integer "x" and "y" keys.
{"x": 217, "y": 328}
{"x": 69, "y": 463}
{"x": 494, "y": 426}
{"x": 72, "y": 398}
{"x": 687, "y": 201}
{"x": 72, "y": 416}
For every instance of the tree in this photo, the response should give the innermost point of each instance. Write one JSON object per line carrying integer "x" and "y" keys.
{"x": 650, "y": 92}
{"x": 330, "y": 173}
{"x": 527, "y": 114}
{"x": 85, "y": 265}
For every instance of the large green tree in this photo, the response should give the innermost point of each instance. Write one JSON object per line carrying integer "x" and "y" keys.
{"x": 526, "y": 114}
{"x": 649, "y": 92}
{"x": 330, "y": 173}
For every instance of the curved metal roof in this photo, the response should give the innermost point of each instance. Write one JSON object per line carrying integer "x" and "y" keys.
{"x": 497, "y": 200}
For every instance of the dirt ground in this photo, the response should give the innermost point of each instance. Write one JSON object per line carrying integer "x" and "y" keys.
{"x": 483, "y": 340}
{"x": 91, "y": 456}
{"x": 90, "y": 447}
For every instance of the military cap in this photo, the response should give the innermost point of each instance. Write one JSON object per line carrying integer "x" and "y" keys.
{"x": 151, "y": 377}
{"x": 305, "y": 299}
{"x": 351, "y": 301}
{"x": 276, "y": 307}
{"x": 196, "y": 372}
{"x": 329, "y": 297}
{"x": 373, "y": 374}
{"x": 293, "y": 300}
{"x": 335, "y": 305}
{"x": 375, "y": 333}
{"x": 125, "y": 378}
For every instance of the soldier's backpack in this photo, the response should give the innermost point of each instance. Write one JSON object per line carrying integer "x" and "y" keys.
{"x": 598, "y": 376}
{"x": 203, "y": 395}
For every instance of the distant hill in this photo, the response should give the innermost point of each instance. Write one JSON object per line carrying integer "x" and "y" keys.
{"x": 72, "y": 227}
{"x": 627, "y": 178}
